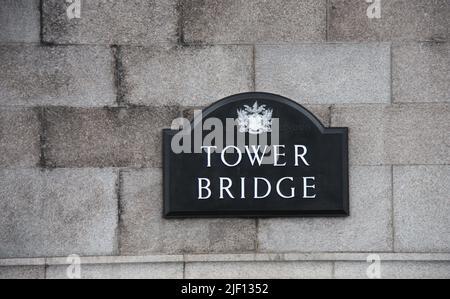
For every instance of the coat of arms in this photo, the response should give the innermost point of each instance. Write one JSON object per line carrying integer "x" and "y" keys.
{"x": 255, "y": 120}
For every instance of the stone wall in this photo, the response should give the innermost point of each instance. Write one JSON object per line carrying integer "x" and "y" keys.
{"x": 83, "y": 102}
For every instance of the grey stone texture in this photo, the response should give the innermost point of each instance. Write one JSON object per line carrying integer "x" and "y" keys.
{"x": 259, "y": 270}
{"x": 144, "y": 231}
{"x": 413, "y": 20}
{"x": 114, "y": 137}
{"x": 325, "y": 73}
{"x": 62, "y": 75}
{"x": 369, "y": 227}
{"x": 19, "y": 137}
{"x": 192, "y": 76}
{"x": 22, "y": 272}
{"x": 366, "y": 132}
{"x": 122, "y": 271}
{"x": 253, "y": 21}
{"x": 394, "y": 270}
{"x": 418, "y": 134}
{"x": 140, "y": 22}
{"x": 57, "y": 212}
{"x": 82, "y": 113}
{"x": 398, "y": 134}
{"x": 421, "y": 72}
{"x": 422, "y": 208}
{"x": 19, "y": 21}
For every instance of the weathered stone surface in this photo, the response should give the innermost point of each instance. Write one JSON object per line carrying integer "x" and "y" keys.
{"x": 111, "y": 22}
{"x": 65, "y": 75}
{"x": 144, "y": 231}
{"x": 259, "y": 270}
{"x": 22, "y": 272}
{"x": 395, "y": 270}
{"x": 19, "y": 137}
{"x": 19, "y": 21}
{"x": 399, "y": 134}
{"x": 369, "y": 228}
{"x": 366, "y": 132}
{"x": 325, "y": 73}
{"x": 122, "y": 271}
{"x": 116, "y": 137}
{"x": 254, "y": 21}
{"x": 415, "y": 20}
{"x": 193, "y": 76}
{"x": 422, "y": 208}
{"x": 418, "y": 134}
{"x": 57, "y": 213}
{"x": 421, "y": 72}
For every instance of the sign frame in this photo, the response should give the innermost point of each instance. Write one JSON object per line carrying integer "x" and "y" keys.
{"x": 168, "y": 212}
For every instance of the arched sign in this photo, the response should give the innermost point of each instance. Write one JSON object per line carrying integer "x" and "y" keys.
{"x": 255, "y": 155}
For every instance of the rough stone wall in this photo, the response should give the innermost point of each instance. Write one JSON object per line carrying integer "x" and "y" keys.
{"x": 83, "y": 102}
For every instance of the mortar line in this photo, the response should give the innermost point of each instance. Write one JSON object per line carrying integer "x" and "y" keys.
{"x": 391, "y": 76}
{"x": 257, "y": 235}
{"x": 254, "y": 66}
{"x": 205, "y": 44}
{"x": 118, "y": 74}
{"x": 330, "y": 115}
{"x": 333, "y": 269}
{"x": 180, "y": 24}
{"x": 42, "y": 137}
{"x": 119, "y": 212}
{"x": 344, "y": 105}
{"x": 41, "y": 21}
{"x": 392, "y": 208}
{"x": 45, "y": 268}
{"x": 326, "y": 19}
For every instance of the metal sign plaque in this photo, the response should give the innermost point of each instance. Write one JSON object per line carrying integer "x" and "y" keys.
{"x": 255, "y": 155}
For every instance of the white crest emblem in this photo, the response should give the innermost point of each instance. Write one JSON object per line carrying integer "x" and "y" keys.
{"x": 255, "y": 120}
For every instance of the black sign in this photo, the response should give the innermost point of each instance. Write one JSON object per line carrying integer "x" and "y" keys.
{"x": 255, "y": 155}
